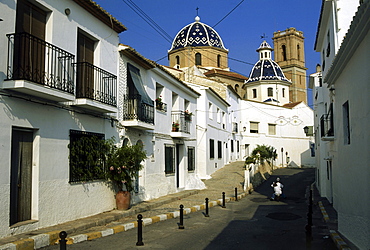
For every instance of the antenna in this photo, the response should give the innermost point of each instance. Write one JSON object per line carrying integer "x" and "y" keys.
{"x": 197, "y": 11}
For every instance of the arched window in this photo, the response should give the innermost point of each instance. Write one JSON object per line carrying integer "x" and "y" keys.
{"x": 284, "y": 52}
{"x": 265, "y": 54}
{"x": 261, "y": 55}
{"x": 283, "y": 92}
{"x": 298, "y": 52}
{"x": 198, "y": 59}
{"x": 219, "y": 61}
{"x": 237, "y": 88}
{"x": 177, "y": 60}
{"x": 270, "y": 92}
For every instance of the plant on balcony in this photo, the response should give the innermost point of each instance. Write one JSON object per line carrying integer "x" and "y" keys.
{"x": 188, "y": 115}
{"x": 159, "y": 103}
{"x": 175, "y": 126}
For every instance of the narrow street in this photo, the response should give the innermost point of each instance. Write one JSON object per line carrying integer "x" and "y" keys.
{"x": 254, "y": 222}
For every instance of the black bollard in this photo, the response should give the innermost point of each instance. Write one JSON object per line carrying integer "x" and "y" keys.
{"x": 223, "y": 200}
{"x": 181, "y": 224}
{"x": 139, "y": 230}
{"x": 63, "y": 241}
{"x": 207, "y": 215}
{"x": 236, "y": 194}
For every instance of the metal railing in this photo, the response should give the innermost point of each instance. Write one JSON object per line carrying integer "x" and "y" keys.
{"x": 161, "y": 106}
{"x": 95, "y": 83}
{"x": 327, "y": 125}
{"x": 35, "y": 60}
{"x": 179, "y": 123}
{"x": 135, "y": 109}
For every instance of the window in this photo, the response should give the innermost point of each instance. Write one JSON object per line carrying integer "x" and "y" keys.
{"x": 283, "y": 92}
{"x": 211, "y": 148}
{"x": 218, "y": 115}
{"x": 254, "y": 93}
{"x": 198, "y": 59}
{"x": 85, "y": 156}
{"x": 223, "y": 120}
{"x": 272, "y": 129}
{"x": 270, "y": 92}
{"x": 346, "y": 128}
{"x": 253, "y": 127}
{"x": 177, "y": 60}
{"x": 283, "y": 48}
{"x": 237, "y": 146}
{"x": 219, "y": 149}
{"x": 219, "y": 61}
{"x": 191, "y": 158}
{"x": 232, "y": 145}
{"x": 210, "y": 114}
{"x": 169, "y": 157}
{"x": 237, "y": 88}
{"x": 298, "y": 52}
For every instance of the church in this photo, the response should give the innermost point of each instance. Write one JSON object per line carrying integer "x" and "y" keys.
{"x": 271, "y": 106}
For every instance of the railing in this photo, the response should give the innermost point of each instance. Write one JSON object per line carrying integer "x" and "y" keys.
{"x": 33, "y": 59}
{"x": 327, "y": 125}
{"x": 95, "y": 83}
{"x": 179, "y": 123}
{"x": 161, "y": 106}
{"x": 135, "y": 109}
{"x": 235, "y": 127}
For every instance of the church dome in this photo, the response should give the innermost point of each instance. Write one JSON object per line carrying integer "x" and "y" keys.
{"x": 266, "y": 68}
{"x": 197, "y": 34}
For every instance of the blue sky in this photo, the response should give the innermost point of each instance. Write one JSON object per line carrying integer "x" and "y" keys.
{"x": 240, "y": 31}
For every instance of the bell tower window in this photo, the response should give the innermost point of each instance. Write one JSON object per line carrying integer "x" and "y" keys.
{"x": 177, "y": 60}
{"x": 283, "y": 47}
{"x": 219, "y": 61}
{"x": 198, "y": 59}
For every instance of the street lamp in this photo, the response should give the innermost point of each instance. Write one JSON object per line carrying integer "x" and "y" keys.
{"x": 305, "y": 129}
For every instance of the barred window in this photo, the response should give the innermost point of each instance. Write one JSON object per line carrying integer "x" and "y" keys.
{"x": 169, "y": 154}
{"x": 211, "y": 148}
{"x": 86, "y": 157}
{"x": 191, "y": 158}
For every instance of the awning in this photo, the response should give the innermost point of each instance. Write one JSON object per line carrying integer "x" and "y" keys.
{"x": 134, "y": 75}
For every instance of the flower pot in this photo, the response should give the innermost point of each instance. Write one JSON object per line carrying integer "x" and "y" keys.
{"x": 123, "y": 199}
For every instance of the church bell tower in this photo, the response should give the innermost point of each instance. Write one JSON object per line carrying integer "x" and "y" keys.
{"x": 289, "y": 54}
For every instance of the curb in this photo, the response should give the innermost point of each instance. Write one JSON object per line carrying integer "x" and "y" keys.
{"x": 52, "y": 238}
{"x": 339, "y": 242}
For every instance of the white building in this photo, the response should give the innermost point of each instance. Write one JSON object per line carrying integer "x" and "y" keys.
{"x": 342, "y": 103}
{"x": 159, "y": 111}
{"x": 58, "y": 80}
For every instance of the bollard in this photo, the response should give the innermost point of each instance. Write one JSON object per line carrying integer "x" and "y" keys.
{"x": 63, "y": 241}
{"x": 139, "y": 230}
{"x": 223, "y": 200}
{"x": 207, "y": 215}
{"x": 236, "y": 194}
{"x": 181, "y": 224}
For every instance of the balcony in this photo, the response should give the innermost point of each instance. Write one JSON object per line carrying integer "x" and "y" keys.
{"x": 161, "y": 106}
{"x": 96, "y": 89}
{"x": 38, "y": 68}
{"x": 180, "y": 125}
{"x": 137, "y": 114}
{"x": 327, "y": 127}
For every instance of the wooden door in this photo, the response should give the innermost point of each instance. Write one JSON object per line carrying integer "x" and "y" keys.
{"x": 29, "y": 43}
{"x": 85, "y": 70}
{"x": 21, "y": 176}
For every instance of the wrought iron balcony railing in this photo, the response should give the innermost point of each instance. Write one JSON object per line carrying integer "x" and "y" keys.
{"x": 161, "y": 106}
{"x": 95, "y": 83}
{"x": 180, "y": 123}
{"x": 135, "y": 109}
{"x": 35, "y": 60}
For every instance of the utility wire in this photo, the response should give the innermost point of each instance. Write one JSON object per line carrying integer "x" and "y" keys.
{"x": 228, "y": 13}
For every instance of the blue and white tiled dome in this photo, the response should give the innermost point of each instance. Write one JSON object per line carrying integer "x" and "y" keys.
{"x": 266, "y": 68}
{"x": 197, "y": 34}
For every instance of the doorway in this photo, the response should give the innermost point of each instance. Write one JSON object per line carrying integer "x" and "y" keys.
{"x": 21, "y": 175}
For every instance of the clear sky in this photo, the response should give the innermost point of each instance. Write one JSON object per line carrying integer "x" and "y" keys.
{"x": 240, "y": 31}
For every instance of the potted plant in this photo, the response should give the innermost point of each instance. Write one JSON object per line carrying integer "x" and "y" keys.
{"x": 175, "y": 126}
{"x": 188, "y": 115}
{"x": 123, "y": 165}
{"x": 159, "y": 103}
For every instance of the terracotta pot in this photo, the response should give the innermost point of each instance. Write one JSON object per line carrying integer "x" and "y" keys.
{"x": 123, "y": 199}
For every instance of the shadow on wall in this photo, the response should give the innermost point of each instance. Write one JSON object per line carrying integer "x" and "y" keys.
{"x": 308, "y": 156}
